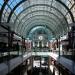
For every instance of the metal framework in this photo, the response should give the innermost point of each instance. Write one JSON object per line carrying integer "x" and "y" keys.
{"x": 30, "y": 7}
{"x": 55, "y": 17}
{"x": 37, "y": 18}
{"x": 44, "y": 25}
{"x": 38, "y": 11}
{"x": 44, "y": 17}
{"x": 35, "y": 29}
{"x": 55, "y": 32}
{"x": 24, "y": 13}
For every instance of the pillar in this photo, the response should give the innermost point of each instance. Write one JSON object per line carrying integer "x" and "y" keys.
{"x": 49, "y": 63}
{"x": 40, "y": 73}
{"x": 9, "y": 48}
{"x": 59, "y": 53}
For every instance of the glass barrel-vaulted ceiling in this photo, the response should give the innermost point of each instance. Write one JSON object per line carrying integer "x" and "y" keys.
{"x": 26, "y": 14}
{"x": 39, "y": 30}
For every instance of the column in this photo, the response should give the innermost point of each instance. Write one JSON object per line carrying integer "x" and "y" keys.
{"x": 59, "y": 53}
{"x": 40, "y": 73}
{"x": 9, "y": 47}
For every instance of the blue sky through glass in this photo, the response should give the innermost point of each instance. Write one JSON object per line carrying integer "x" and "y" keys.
{"x": 12, "y": 4}
{"x": 1, "y": 2}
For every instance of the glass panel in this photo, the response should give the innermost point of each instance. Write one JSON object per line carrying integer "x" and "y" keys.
{"x": 69, "y": 3}
{"x": 51, "y": 8}
{"x": 0, "y": 6}
{"x": 6, "y": 13}
{"x": 36, "y": 21}
{"x": 69, "y": 18}
{"x": 26, "y": 4}
{"x": 42, "y": 13}
{"x": 60, "y": 7}
{"x": 33, "y": 24}
{"x": 19, "y": 9}
{"x": 37, "y": 16}
{"x": 1, "y": 2}
{"x": 13, "y": 17}
{"x": 13, "y": 3}
{"x": 73, "y": 11}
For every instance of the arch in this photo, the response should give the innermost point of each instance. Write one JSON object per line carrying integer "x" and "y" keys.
{"x": 37, "y": 18}
{"x": 38, "y": 10}
{"x": 32, "y": 30}
{"x": 44, "y": 15}
{"x": 26, "y": 0}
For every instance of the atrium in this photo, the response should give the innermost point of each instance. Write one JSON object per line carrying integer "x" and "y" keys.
{"x": 37, "y": 37}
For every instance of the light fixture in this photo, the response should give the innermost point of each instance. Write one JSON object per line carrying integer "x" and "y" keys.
{"x": 40, "y": 37}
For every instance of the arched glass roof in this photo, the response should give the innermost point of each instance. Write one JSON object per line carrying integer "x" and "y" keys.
{"x": 42, "y": 29}
{"x": 26, "y": 14}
